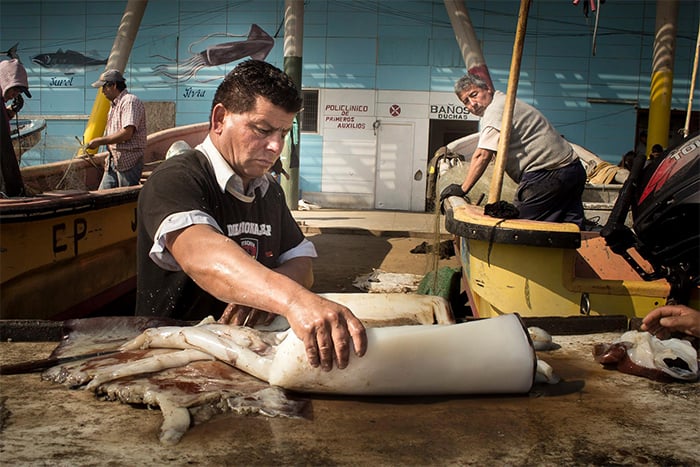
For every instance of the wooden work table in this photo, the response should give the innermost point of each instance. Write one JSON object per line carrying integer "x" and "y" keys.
{"x": 594, "y": 416}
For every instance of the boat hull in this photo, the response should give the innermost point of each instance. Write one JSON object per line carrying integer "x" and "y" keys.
{"x": 66, "y": 253}
{"x": 543, "y": 269}
{"x": 59, "y": 254}
{"x": 25, "y": 135}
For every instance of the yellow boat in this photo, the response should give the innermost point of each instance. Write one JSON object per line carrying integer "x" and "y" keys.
{"x": 549, "y": 269}
{"x": 543, "y": 269}
{"x": 70, "y": 249}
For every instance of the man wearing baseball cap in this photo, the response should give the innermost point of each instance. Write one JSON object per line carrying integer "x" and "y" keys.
{"x": 13, "y": 82}
{"x": 125, "y": 134}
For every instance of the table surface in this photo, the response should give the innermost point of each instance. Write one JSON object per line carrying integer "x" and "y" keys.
{"x": 593, "y": 416}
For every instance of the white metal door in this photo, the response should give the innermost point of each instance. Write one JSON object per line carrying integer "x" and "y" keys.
{"x": 394, "y": 166}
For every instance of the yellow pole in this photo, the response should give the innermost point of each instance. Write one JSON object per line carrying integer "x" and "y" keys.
{"x": 662, "y": 74}
{"x": 504, "y": 139}
{"x": 118, "y": 58}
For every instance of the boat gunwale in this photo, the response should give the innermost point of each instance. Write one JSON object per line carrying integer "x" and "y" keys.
{"x": 469, "y": 221}
{"x": 53, "y": 204}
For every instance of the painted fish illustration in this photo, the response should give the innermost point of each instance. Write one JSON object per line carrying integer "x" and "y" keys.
{"x": 68, "y": 61}
{"x": 12, "y": 51}
{"x": 257, "y": 45}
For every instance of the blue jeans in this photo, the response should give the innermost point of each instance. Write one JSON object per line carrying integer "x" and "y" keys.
{"x": 112, "y": 178}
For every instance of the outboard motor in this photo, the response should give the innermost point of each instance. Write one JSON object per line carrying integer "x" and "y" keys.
{"x": 664, "y": 196}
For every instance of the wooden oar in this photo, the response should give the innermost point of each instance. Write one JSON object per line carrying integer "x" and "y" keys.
{"x": 504, "y": 140}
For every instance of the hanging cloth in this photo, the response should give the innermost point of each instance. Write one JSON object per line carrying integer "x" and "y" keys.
{"x": 594, "y": 7}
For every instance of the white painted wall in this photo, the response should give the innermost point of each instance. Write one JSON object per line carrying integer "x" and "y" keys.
{"x": 375, "y": 146}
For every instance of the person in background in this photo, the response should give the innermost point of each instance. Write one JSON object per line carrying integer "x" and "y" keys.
{"x": 666, "y": 319}
{"x": 549, "y": 174}
{"x": 215, "y": 236}
{"x": 627, "y": 160}
{"x": 641, "y": 147}
{"x": 277, "y": 171}
{"x": 656, "y": 151}
{"x": 125, "y": 135}
{"x": 13, "y": 82}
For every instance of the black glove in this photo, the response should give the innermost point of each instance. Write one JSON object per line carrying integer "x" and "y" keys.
{"x": 502, "y": 209}
{"x": 450, "y": 190}
{"x": 17, "y": 104}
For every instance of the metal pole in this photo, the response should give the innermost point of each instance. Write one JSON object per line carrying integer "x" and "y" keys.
{"x": 293, "y": 41}
{"x": 504, "y": 139}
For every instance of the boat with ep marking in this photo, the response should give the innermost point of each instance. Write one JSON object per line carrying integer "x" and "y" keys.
{"x": 69, "y": 248}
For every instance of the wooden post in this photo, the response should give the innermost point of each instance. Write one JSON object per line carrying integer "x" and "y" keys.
{"x": 504, "y": 140}
{"x": 686, "y": 127}
{"x": 293, "y": 41}
{"x": 118, "y": 58}
{"x": 466, "y": 39}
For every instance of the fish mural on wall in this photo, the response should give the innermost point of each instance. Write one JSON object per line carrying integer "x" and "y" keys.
{"x": 257, "y": 46}
{"x": 12, "y": 52}
{"x": 69, "y": 61}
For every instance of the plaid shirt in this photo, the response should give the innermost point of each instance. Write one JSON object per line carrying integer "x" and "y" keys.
{"x": 127, "y": 110}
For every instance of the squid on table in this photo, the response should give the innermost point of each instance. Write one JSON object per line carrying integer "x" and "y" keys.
{"x": 193, "y": 372}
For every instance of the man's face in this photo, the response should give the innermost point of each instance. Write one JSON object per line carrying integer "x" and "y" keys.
{"x": 252, "y": 141}
{"x": 476, "y": 99}
{"x": 110, "y": 91}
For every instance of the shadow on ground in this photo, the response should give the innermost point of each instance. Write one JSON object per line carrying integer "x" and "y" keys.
{"x": 341, "y": 259}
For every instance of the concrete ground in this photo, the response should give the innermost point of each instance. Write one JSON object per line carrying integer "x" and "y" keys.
{"x": 382, "y": 223}
{"x": 592, "y": 417}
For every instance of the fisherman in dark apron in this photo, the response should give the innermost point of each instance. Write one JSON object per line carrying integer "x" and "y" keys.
{"x": 13, "y": 82}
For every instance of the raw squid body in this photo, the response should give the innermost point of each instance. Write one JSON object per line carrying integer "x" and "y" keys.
{"x": 480, "y": 357}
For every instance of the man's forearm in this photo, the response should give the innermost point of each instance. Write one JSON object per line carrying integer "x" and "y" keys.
{"x": 299, "y": 269}
{"x": 222, "y": 268}
{"x": 480, "y": 160}
{"x": 121, "y": 136}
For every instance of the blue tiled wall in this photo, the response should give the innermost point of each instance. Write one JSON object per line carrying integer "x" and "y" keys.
{"x": 365, "y": 44}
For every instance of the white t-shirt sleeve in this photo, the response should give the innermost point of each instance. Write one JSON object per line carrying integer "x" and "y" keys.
{"x": 488, "y": 139}
{"x": 174, "y": 222}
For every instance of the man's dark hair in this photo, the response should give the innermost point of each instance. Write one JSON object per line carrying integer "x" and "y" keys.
{"x": 121, "y": 85}
{"x": 253, "y": 78}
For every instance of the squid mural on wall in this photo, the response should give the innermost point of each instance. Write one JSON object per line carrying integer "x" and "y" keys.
{"x": 257, "y": 45}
